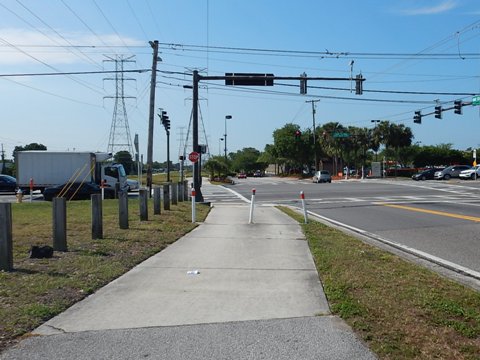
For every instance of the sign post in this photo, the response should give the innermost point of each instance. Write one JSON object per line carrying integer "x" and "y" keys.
{"x": 475, "y": 163}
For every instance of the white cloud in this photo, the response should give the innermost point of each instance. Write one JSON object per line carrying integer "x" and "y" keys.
{"x": 441, "y": 7}
{"x": 21, "y": 46}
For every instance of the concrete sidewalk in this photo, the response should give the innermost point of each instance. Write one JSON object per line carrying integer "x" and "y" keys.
{"x": 227, "y": 290}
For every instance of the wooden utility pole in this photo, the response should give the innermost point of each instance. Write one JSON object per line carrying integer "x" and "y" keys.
{"x": 151, "y": 116}
{"x": 314, "y": 130}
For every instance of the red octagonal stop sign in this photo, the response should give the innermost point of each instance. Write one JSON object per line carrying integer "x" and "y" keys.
{"x": 193, "y": 156}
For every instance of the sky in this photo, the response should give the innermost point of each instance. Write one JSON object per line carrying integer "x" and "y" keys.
{"x": 414, "y": 54}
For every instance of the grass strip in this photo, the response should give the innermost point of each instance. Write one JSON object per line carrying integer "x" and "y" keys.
{"x": 39, "y": 289}
{"x": 401, "y": 310}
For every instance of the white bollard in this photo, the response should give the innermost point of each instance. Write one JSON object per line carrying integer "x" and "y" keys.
{"x": 302, "y": 196}
{"x": 252, "y": 206}
{"x": 31, "y": 189}
{"x": 194, "y": 215}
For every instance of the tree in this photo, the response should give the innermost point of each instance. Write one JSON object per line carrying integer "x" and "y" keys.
{"x": 293, "y": 146}
{"x": 31, "y": 146}
{"x": 246, "y": 160}
{"x": 216, "y": 164}
{"x": 124, "y": 158}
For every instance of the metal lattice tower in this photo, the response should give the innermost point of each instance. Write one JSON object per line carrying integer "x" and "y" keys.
{"x": 119, "y": 139}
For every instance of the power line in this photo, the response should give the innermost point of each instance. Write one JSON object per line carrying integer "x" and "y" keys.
{"x": 76, "y": 73}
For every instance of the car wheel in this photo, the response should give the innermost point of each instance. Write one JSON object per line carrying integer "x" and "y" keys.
{"x": 447, "y": 177}
{"x": 472, "y": 176}
{"x": 424, "y": 178}
{"x": 329, "y": 181}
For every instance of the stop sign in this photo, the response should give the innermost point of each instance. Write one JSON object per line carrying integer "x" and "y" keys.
{"x": 193, "y": 156}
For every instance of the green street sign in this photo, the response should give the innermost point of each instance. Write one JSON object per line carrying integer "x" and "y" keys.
{"x": 476, "y": 100}
{"x": 345, "y": 134}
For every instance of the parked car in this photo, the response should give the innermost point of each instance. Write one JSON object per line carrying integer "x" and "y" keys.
{"x": 132, "y": 185}
{"x": 8, "y": 183}
{"x": 257, "y": 173}
{"x": 426, "y": 174}
{"x": 450, "y": 172}
{"x": 322, "y": 176}
{"x": 77, "y": 191}
{"x": 470, "y": 173}
{"x": 242, "y": 175}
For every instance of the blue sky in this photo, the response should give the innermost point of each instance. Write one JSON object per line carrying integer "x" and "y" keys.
{"x": 398, "y": 46}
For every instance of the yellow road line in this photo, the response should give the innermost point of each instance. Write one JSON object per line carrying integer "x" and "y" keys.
{"x": 434, "y": 212}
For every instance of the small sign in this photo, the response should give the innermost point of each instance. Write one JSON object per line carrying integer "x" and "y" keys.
{"x": 476, "y": 100}
{"x": 193, "y": 156}
{"x": 340, "y": 134}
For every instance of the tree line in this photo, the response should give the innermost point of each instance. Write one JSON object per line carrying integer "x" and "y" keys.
{"x": 336, "y": 146}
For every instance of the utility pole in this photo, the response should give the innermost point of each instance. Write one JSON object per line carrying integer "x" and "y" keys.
{"x": 151, "y": 116}
{"x": 314, "y": 130}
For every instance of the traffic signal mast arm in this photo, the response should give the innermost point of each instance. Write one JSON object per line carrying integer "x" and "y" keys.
{"x": 457, "y": 107}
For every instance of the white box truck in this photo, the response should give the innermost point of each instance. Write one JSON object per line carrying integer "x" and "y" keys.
{"x": 50, "y": 168}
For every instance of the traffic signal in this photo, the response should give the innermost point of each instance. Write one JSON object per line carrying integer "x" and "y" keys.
{"x": 457, "y": 104}
{"x": 438, "y": 112}
{"x": 303, "y": 84}
{"x": 417, "y": 118}
{"x": 359, "y": 84}
{"x": 165, "y": 120}
{"x": 298, "y": 133}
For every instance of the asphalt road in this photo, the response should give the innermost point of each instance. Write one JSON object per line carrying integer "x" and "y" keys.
{"x": 440, "y": 219}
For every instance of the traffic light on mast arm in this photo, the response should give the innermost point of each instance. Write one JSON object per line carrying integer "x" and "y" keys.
{"x": 457, "y": 104}
{"x": 359, "y": 84}
{"x": 417, "y": 118}
{"x": 303, "y": 84}
{"x": 438, "y": 112}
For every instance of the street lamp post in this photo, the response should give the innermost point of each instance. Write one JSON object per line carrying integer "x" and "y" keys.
{"x": 219, "y": 147}
{"x": 227, "y": 117}
{"x": 375, "y": 127}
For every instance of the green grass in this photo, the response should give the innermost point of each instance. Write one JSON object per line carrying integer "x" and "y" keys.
{"x": 38, "y": 289}
{"x": 401, "y": 310}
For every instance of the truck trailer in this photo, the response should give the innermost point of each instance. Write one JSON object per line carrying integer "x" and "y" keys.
{"x": 41, "y": 169}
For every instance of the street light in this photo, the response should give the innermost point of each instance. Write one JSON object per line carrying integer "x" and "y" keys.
{"x": 225, "y": 135}
{"x": 375, "y": 127}
{"x": 219, "y": 148}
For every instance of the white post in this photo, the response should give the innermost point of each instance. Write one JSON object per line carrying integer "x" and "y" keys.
{"x": 31, "y": 189}
{"x": 102, "y": 186}
{"x": 475, "y": 163}
{"x": 193, "y": 206}
{"x": 252, "y": 206}
{"x": 302, "y": 196}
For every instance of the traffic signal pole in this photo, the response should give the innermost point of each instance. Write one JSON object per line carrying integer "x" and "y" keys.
{"x": 196, "y": 165}
{"x": 242, "y": 79}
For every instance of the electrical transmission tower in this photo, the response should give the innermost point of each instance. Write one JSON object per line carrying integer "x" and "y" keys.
{"x": 119, "y": 139}
{"x": 202, "y": 138}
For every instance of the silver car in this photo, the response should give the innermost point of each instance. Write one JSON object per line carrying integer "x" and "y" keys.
{"x": 450, "y": 172}
{"x": 322, "y": 176}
